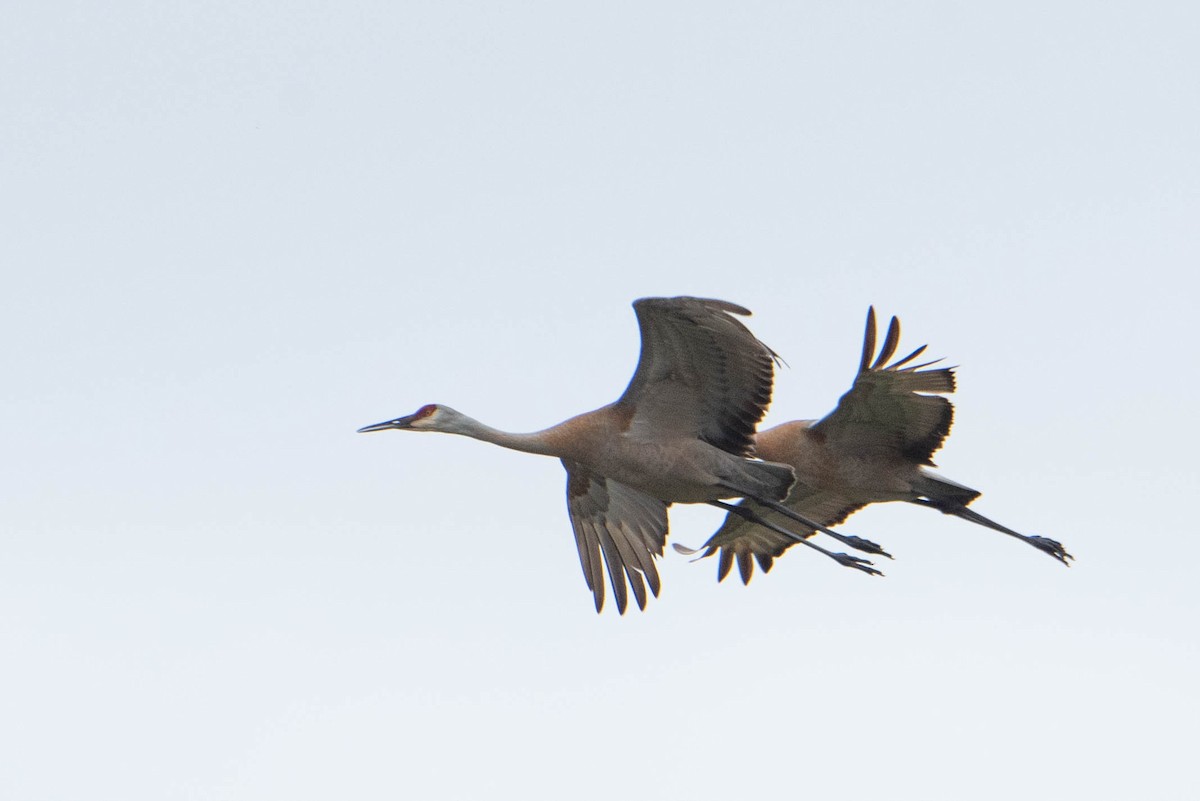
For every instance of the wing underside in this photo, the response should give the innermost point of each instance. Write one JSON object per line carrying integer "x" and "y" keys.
{"x": 618, "y": 530}
{"x": 746, "y": 543}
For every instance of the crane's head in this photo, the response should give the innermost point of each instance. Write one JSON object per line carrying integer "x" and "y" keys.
{"x": 429, "y": 417}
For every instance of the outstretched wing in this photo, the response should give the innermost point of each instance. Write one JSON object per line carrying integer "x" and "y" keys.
{"x": 615, "y": 526}
{"x": 701, "y": 373}
{"x": 747, "y": 542}
{"x": 893, "y": 409}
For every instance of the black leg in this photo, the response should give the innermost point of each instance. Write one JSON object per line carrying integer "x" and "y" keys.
{"x": 857, "y": 543}
{"x": 1044, "y": 544}
{"x": 846, "y": 560}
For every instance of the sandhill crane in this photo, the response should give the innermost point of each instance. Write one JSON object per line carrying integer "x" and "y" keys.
{"x": 874, "y": 447}
{"x": 681, "y": 433}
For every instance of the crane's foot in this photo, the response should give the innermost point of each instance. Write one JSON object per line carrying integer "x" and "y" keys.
{"x": 858, "y": 563}
{"x": 866, "y": 546}
{"x": 1052, "y": 547}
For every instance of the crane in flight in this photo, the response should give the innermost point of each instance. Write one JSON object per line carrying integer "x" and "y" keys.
{"x": 682, "y": 432}
{"x": 874, "y": 447}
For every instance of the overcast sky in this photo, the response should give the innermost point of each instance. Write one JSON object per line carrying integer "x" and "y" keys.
{"x": 236, "y": 232}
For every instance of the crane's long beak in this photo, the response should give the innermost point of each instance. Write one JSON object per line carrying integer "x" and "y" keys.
{"x": 400, "y": 423}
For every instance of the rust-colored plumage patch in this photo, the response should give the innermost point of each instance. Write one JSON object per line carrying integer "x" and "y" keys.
{"x": 623, "y": 415}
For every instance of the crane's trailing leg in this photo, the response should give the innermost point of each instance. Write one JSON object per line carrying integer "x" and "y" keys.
{"x": 844, "y": 559}
{"x": 1044, "y": 544}
{"x": 857, "y": 543}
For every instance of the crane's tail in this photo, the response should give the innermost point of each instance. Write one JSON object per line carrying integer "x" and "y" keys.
{"x": 755, "y": 479}
{"x": 943, "y": 493}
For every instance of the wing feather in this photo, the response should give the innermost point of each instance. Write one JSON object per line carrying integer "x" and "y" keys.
{"x": 890, "y": 342}
{"x": 891, "y": 407}
{"x": 868, "y": 342}
{"x": 900, "y": 362}
{"x": 613, "y": 561}
{"x": 701, "y": 373}
{"x": 589, "y": 558}
{"x": 617, "y": 529}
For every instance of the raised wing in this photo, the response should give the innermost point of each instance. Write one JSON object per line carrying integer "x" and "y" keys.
{"x": 748, "y": 542}
{"x": 617, "y": 527}
{"x": 701, "y": 373}
{"x": 892, "y": 409}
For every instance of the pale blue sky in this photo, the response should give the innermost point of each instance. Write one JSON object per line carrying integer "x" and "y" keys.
{"x": 237, "y": 232}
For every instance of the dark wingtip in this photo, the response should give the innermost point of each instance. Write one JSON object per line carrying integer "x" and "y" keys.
{"x": 890, "y": 342}
{"x": 901, "y": 362}
{"x": 868, "y": 341}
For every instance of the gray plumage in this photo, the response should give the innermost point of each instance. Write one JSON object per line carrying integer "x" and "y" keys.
{"x": 682, "y": 432}
{"x": 874, "y": 447}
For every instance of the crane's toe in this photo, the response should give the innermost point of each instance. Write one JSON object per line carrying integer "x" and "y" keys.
{"x": 1052, "y": 547}
{"x": 866, "y": 546}
{"x": 858, "y": 563}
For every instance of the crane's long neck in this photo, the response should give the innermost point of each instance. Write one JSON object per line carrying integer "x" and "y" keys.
{"x": 541, "y": 442}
